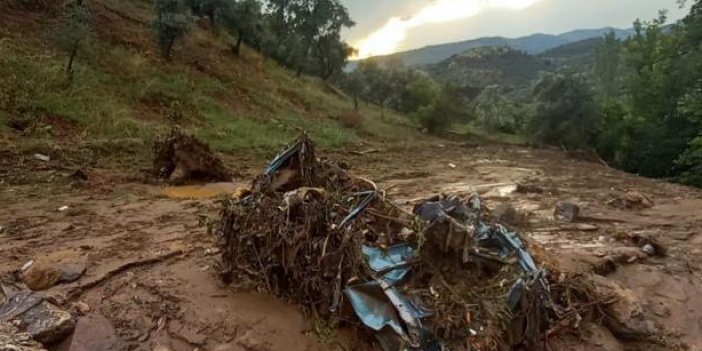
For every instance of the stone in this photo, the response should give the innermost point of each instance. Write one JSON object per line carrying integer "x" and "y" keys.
{"x": 94, "y": 333}
{"x": 33, "y": 314}
{"x": 11, "y": 339}
{"x": 566, "y": 212}
{"x": 82, "y": 307}
{"x": 43, "y": 275}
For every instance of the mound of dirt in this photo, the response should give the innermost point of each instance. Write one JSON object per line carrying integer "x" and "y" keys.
{"x": 181, "y": 157}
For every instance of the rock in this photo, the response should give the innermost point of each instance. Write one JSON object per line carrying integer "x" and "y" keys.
{"x": 11, "y": 339}
{"x": 566, "y": 212}
{"x": 632, "y": 200}
{"x": 46, "y": 322}
{"x": 42, "y": 275}
{"x": 626, "y": 314}
{"x": 93, "y": 333}
{"x": 81, "y": 307}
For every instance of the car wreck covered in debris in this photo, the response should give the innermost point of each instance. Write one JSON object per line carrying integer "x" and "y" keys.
{"x": 442, "y": 276}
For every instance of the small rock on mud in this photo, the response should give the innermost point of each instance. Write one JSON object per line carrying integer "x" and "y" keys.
{"x": 43, "y": 275}
{"x": 566, "y": 212}
{"x": 92, "y": 333}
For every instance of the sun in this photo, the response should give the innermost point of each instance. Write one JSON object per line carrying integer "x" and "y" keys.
{"x": 388, "y": 38}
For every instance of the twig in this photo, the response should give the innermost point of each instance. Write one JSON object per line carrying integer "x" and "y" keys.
{"x": 361, "y": 153}
{"x": 263, "y": 269}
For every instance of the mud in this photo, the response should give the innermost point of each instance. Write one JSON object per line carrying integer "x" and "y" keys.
{"x": 152, "y": 267}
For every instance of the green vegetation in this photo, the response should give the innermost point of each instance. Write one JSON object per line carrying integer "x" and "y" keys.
{"x": 121, "y": 95}
{"x": 646, "y": 114}
{"x": 566, "y": 112}
{"x": 389, "y": 84}
{"x": 75, "y": 33}
{"x": 170, "y": 25}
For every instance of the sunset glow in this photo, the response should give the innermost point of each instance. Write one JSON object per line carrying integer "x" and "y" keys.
{"x": 386, "y": 40}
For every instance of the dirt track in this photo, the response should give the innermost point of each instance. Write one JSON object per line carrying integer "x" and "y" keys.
{"x": 152, "y": 266}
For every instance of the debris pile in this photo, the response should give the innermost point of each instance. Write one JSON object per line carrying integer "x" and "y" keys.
{"x": 442, "y": 276}
{"x": 33, "y": 315}
{"x": 181, "y": 157}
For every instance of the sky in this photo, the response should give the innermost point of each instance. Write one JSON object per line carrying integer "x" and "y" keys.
{"x": 387, "y": 26}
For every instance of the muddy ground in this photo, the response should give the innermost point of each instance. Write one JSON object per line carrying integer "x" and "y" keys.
{"x": 152, "y": 266}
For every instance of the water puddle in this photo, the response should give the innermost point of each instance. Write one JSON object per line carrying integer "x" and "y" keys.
{"x": 201, "y": 191}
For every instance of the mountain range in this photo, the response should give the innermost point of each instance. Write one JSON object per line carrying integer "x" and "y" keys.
{"x": 533, "y": 44}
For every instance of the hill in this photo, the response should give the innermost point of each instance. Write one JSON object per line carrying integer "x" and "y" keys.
{"x": 532, "y": 44}
{"x": 476, "y": 69}
{"x": 122, "y": 94}
{"x": 510, "y": 69}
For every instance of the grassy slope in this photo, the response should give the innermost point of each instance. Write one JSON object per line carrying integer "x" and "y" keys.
{"x": 122, "y": 93}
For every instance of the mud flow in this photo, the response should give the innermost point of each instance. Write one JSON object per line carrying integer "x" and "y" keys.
{"x": 106, "y": 263}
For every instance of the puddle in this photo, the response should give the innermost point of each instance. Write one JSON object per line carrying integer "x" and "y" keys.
{"x": 202, "y": 191}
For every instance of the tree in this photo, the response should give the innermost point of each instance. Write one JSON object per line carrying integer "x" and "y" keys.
{"x": 379, "y": 87}
{"x": 208, "y": 9}
{"x": 664, "y": 69}
{"x": 242, "y": 19}
{"x": 306, "y": 35}
{"x": 171, "y": 24}
{"x": 608, "y": 66}
{"x": 354, "y": 84}
{"x": 442, "y": 112}
{"x": 75, "y": 33}
{"x": 496, "y": 113}
{"x": 420, "y": 91}
{"x": 566, "y": 114}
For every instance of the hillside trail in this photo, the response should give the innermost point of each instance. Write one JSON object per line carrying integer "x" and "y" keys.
{"x": 152, "y": 266}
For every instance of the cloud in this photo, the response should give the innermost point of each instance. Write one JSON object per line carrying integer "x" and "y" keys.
{"x": 387, "y": 39}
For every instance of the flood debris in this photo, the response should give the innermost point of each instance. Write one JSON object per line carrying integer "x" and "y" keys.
{"x": 444, "y": 276}
{"x": 180, "y": 157}
{"x": 35, "y": 315}
{"x": 11, "y": 339}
